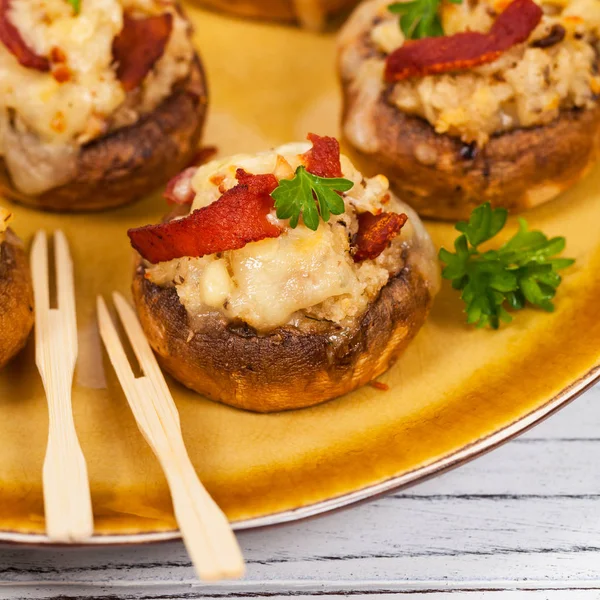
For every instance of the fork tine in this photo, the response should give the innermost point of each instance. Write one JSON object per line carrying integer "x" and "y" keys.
{"x": 114, "y": 348}
{"x": 39, "y": 259}
{"x": 41, "y": 285}
{"x": 138, "y": 340}
{"x": 142, "y": 350}
{"x": 65, "y": 288}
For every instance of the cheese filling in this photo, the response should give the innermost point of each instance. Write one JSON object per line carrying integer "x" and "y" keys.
{"x": 46, "y": 116}
{"x": 527, "y": 86}
{"x": 302, "y": 273}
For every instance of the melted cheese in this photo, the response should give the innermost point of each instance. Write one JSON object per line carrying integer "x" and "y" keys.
{"x": 525, "y": 87}
{"x": 301, "y": 273}
{"x": 276, "y": 278}
{"x": 63, "y": 115}
{"x": 86, "y": 40}
{"x": 215, "y": 284}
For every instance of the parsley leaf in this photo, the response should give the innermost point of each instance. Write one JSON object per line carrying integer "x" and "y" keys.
{"x": 301, "y": 194}
{"x": 420, "y": 18}
{"x": 521, "y": 271}
{"x": 76, "y": 4}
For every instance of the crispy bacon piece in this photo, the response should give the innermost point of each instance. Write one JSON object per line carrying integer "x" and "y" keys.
{"x": 379, "y": 385}
{"x": 237, "y": 218}
{"x": 323, "y": 159}
{"x": 375, "y": 232}
{"x": 465, "y": 50}
{"x": 139, "y": 45}
{"x": 16, "y": 45}
{"x": 179, "y": 189}
{"x": 57, "y": 55}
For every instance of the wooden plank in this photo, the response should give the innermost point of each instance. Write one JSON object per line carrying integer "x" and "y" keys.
{"x": 533, "y": 467}
{"x": 393, "y": 539}
{"x": 288, "y": 590}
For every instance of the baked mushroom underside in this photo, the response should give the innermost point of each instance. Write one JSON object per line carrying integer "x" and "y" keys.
{"x": 132, "y": 161}
{"x": 443, "y": 178}
{"x": 16, "y": 297}
{"x": 289, "y": 367}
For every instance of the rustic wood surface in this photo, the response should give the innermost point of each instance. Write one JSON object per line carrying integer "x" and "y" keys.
{"x": 521, "y": 522}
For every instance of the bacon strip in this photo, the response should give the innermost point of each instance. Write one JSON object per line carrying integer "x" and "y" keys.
{"x": 139, "y": 45}
{"x": 179, "y": 189}
{"x": 375, "y": 232}
{"x": 465, "y": 50}
{"x": 323, "y": 159}
{"x": 16, "y": 45}
{"x": 237, "y": 218}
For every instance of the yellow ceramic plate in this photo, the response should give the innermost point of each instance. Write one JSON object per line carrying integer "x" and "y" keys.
{"x": 455, "y": 393}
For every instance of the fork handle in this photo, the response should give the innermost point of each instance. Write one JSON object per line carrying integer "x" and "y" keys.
{"x": 67, "y": 498}
{"x": 206, "y": 532}
{"x": 204, "y": 527}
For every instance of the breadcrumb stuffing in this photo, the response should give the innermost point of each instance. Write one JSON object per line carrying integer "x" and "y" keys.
{"x": 302, "y": 273}
{"x": 527, "y": 86}
{"x": 80, "y": 98}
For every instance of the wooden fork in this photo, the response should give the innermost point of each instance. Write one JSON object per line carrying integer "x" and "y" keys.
{"x": 67, "y": 499}
{"x": 206, "y": 532}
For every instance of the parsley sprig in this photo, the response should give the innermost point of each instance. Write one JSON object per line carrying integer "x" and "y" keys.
{"x": 521, "y": 271}
{"x": 420, "y": 18}
{"x": 76, "y": 4}
{"x": 308, "y": 195}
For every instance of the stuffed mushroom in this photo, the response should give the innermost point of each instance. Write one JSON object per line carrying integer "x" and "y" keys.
{"x": 16, "y": 292}
{"x": 291, "y": 279}
{"x": 312, "y": 14}
{"x": 502, "y": 106}
{"x": 101, "y": 101}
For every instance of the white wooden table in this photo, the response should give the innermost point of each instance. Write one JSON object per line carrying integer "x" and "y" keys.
{"x": 521, "y": 522}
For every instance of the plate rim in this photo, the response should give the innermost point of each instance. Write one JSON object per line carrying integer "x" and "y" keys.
{"x": 370, "y": 492}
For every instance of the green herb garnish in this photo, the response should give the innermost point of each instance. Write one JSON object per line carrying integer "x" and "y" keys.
{"x": 301, "y": 194}
{"x": 420, "y": 18}
{"x": 76, "y": 4}
{"x": 521, "y": 271}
